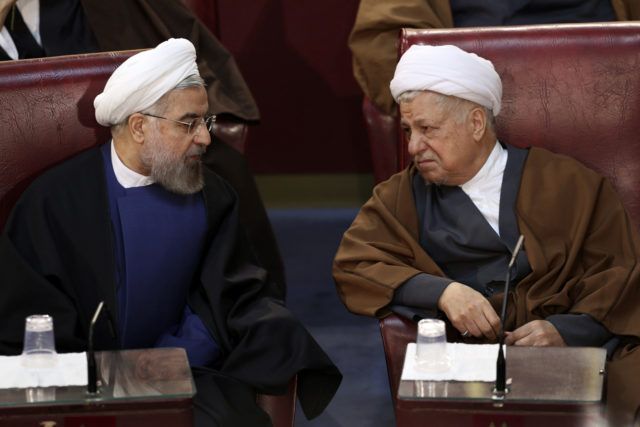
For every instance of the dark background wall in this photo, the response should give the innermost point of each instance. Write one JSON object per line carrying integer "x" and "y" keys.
{"x": 294, "y": 57}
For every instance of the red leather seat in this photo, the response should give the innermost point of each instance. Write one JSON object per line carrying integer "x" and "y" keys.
{"x": 396, "y": 333}
{"x": 47, "y": 116}
{"x": 573, "y": 89}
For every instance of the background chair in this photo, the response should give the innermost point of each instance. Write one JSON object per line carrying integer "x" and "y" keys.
{"x": 47, "y": 116}
{"x": 573, "y": 89}
{"x": 207, "y": 12}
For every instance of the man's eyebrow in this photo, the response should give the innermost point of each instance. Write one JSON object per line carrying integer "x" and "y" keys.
{"x": 419, "y": 121}
{"x": 190, "y": 116}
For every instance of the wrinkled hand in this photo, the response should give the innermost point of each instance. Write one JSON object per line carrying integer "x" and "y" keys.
{"x": 469, "y": 310}
{"x": 536, "y": 332}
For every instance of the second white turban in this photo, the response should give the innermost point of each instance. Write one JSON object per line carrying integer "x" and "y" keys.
{"x": 448, "y": 70}
{"x": 142, "y": 80}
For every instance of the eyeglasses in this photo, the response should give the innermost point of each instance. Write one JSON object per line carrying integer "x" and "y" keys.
{"x": 193, "y": 127}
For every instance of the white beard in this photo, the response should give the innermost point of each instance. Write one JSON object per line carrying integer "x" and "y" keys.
{"x": 174, "y": 174}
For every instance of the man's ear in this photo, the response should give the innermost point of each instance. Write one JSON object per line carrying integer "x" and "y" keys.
{"x": 478, "y": 123}
{"x": 137, "y": 125}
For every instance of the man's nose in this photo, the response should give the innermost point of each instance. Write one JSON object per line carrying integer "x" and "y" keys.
{"x": 415, "y": 144}
{"x": 203, "y": 137}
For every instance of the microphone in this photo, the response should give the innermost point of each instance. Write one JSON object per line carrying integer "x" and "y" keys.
{"x": 92, "y": 370}
{"x": 501, "y": 364}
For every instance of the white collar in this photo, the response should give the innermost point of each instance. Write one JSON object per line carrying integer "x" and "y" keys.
{"x": 485, "y": 187}
{"x": 125, "y": 176}
{"x": 492, "y": 169}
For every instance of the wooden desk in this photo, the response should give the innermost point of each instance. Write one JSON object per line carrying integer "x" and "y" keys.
{"x": 550, "y": 386}
{"x": 138, "y": 388}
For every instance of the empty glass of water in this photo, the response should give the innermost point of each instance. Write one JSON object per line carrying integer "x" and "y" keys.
{"x": 39, "y": 350}
{"x": 431, "y": 346}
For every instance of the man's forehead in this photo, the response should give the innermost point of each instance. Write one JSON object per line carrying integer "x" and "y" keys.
{"x": 420, "y": 111}
{"x": 188, "y": 102}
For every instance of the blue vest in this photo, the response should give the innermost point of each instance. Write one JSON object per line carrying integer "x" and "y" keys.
{"x": 158, "y": 242}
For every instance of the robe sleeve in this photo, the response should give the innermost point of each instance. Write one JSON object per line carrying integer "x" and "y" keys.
{"x": 581, "y": 244}
{"x": 26, "y": 291}
{"x": 262, "y": 342}
{"x": 192, "y": 335}
{"x": 422, "y": 290}
{"x": 580, "y": 330}
{"x": 380, "y": 250}
{"x": 45, "y": 265}
{"x": 56, "y": 257}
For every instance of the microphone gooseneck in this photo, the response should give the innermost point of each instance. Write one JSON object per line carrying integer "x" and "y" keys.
{"x": 501, "y": 363}
{"x": 92, "y": 370}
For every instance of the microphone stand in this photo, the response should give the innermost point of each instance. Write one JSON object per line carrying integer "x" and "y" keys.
{"x": 92, "y": 370}
{"x": 501, "y": 364}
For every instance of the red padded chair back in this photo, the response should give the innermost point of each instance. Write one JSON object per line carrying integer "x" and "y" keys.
{"x": 47, "y": 116}
{"x": 382, "y": 130}
{"x": 573, "y": 89}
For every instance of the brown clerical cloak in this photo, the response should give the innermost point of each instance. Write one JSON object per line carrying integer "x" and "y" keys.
{"x": 580, "y": 242}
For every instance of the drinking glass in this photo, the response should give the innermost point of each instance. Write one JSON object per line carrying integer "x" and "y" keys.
{"x": 431, "y": 346}
{"x": 39, "y": 351}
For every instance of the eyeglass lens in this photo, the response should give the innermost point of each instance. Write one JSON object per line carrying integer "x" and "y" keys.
{"x": 208, "y": 121}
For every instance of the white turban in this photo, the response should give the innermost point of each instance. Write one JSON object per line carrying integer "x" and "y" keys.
{"x": 142, "y": 79}
{"x": 448, "y": 70}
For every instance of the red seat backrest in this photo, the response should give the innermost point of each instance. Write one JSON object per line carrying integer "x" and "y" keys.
{"x": 573, "y": 89}
{"x": 47, "y": 115}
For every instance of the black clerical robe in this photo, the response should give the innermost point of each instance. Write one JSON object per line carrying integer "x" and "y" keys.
{"x": 57, "y": 257}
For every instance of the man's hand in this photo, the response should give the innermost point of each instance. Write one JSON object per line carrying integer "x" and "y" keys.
{"x": 469, "y": 310}
{"x": 536, "y": 332}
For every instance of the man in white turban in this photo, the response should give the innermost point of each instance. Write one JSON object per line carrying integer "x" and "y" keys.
{"x": 138, "y": 223}
{"x": 436, "y": 238}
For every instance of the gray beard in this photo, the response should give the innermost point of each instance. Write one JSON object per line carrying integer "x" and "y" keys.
{"x": 174, "y": 175}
